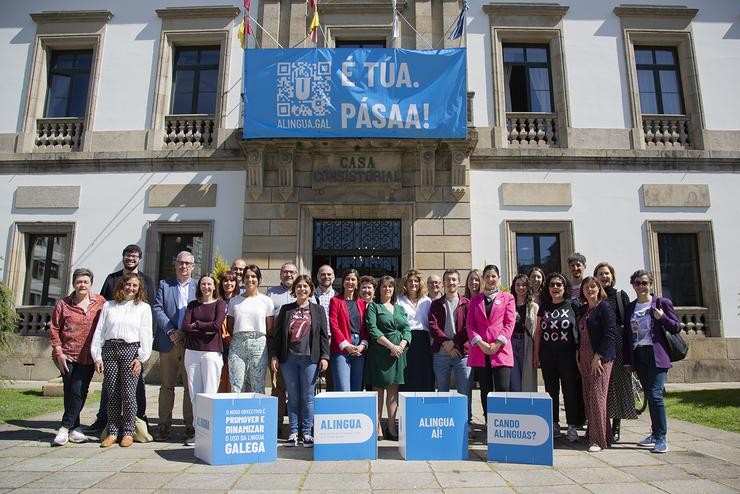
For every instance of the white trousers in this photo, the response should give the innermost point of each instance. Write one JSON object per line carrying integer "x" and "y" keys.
{"x": 204, "y": 373}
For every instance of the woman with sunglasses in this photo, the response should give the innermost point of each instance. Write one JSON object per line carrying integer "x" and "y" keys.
{"x": 646, "y": 351}
{"x": 555, "y": 350}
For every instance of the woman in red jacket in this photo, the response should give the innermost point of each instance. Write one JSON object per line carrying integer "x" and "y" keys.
{"x": 491, "y": 318}
{"x": 348, "y": 335}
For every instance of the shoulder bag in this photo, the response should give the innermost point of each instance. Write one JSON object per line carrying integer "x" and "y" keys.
{"x": 677, "y": 346}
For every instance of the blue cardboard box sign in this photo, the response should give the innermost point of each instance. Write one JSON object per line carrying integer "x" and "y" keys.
{"x": 433, "y": 426}
{"x": 234, "y": 428}
{"x": 520, "y": 428}
{"x": 345, "y": 426}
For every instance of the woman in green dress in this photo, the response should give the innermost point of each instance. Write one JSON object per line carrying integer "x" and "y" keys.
{"x": 386, "y": 358}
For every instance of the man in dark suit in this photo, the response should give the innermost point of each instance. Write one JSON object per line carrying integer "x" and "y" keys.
{"x": 173, "y": 296}
{"x": 131, "y": 259}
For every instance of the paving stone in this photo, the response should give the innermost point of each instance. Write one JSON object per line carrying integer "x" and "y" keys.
{"x": 107, "y": 490}
{"x": 238, "y": 491}
{"x": 622, "y": 488}
{"x": 258, "y": 481}
{"x": 597, "y": 475}
{"x": 24, "y": 450}
{"x": 136, "y": 481}
{"x": 29, "y": 490}
{"x": 713, "y": 471}
{"x": 156, "y": 465}
{"x": 475, "y": 465}
{"x": 4, "y": 462}
{"x": 280, "y": 466}
{"x": 100, "y": 465}
{"x": 69, "y": 480}
{"x": 450, "y": 480}
{"x": 658, "y": 472}
{"x": 206, "y": 468}
{"x": 323, "y": 481}
{"x": 699, "y": 485}
{"x": 74, "y": 451}
{"x": 480, "y": 490}
{"x": 545, "y": 477}
{"x": 41, "y": 464}
{"x": 625, "y": 458}
{"x": 554, "y": 489}
{"x": 578, "y": 461}
{"x": 734, "y": 483}
{"x": 203, "y": 481}
{"x": 132, "y": 452}
{"x": 692, "y": 457}
{"x": 9, "y": 480}
{"x": 388, "y": 466}
{"x": 515, "y": 466}
{"x": 361, "y": 466}
{"x": 412, "y": 480}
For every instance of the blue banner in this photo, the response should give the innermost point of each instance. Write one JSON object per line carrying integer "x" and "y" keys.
{"x": 347, "y": 92}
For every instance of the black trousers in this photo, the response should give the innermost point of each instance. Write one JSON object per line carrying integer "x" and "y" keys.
{"x": 559, "y": 367}
{"x": 492, "y": 379}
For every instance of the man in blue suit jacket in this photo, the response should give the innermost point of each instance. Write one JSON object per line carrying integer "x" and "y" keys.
{"x": 173, "y": 296}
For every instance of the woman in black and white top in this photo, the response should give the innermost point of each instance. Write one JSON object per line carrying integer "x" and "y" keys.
{"x": 121, "y": 345}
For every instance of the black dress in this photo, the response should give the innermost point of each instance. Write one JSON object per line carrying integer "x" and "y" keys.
{"x": 620, "y": 402}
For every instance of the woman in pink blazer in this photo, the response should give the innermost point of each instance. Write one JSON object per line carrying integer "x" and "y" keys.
{"x": 491, "y": 318}
{"x": 349, "y": 338}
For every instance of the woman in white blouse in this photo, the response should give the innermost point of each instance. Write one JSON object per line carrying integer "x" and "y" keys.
{"x": 249, "y": 319}
{"x": 419, "y": 373}
{"x": 121, "y": 345}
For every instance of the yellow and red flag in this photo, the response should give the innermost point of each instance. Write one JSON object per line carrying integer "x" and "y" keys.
{"x": 313, "y": 29}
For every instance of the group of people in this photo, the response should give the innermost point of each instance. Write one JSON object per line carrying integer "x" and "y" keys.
{"x": 222, "y": 334}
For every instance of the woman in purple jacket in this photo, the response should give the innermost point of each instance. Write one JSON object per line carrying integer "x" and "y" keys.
{"x": 646, "y": 351}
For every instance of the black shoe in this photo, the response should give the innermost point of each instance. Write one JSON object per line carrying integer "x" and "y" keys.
{"x": 615, "y": 435}
{"x": 95, "y": 428}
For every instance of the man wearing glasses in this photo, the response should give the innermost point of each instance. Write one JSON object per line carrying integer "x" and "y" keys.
{"x": 131, "y": 260}
{"x": 173, "y": 297}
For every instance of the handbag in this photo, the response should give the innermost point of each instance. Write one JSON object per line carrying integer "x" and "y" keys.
{"x": 677, "y": 346}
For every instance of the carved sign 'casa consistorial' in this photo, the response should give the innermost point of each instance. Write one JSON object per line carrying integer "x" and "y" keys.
{"x": 355, "y": 169}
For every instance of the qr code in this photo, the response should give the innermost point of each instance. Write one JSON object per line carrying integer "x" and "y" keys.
{"x": 303, "y": 89}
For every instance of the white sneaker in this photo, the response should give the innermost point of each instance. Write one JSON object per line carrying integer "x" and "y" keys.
{"x": 572, "y": 434}
{"x": 292, "y": 441}
{"x": 76, "y": 436}
{"x": 594, "y": 448}
{"x": 62, "y": 437}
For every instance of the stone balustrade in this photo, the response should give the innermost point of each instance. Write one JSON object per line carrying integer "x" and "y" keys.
{"x": 693, "y": 320}
{"x": 34, "y": 320}
{"x": 666, "y": 131}
{"x": 59, "y": 134}
{"x": 531, "y": 129}
{"x": 189, "y": 131}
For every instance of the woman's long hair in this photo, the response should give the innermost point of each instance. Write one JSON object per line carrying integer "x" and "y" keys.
{"x": 140, "y": 296}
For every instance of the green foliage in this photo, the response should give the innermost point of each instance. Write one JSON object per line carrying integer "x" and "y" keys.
{"x": 8, "y": 318}
{"x": 220, "y": 266}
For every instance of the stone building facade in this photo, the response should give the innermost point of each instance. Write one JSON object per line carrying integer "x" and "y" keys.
{"x": 593, "y": 162}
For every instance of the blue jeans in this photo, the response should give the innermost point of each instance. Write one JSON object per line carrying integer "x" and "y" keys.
{"x": 76, "y": 384}
{"x": 299, "y": 374}
{"x": 653, "y": 382}
{"x": 347, "y": 372}
{"x": 443, "y": 365}
{"x": 517, "y": 345}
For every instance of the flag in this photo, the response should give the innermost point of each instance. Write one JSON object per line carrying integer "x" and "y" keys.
{"x": 460, "y": 22}
{"x": 243, "y": 33}
{"x": 313, "y": 28}
{"x": 396, "y": 32}
{"x": 247, "y": 6}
